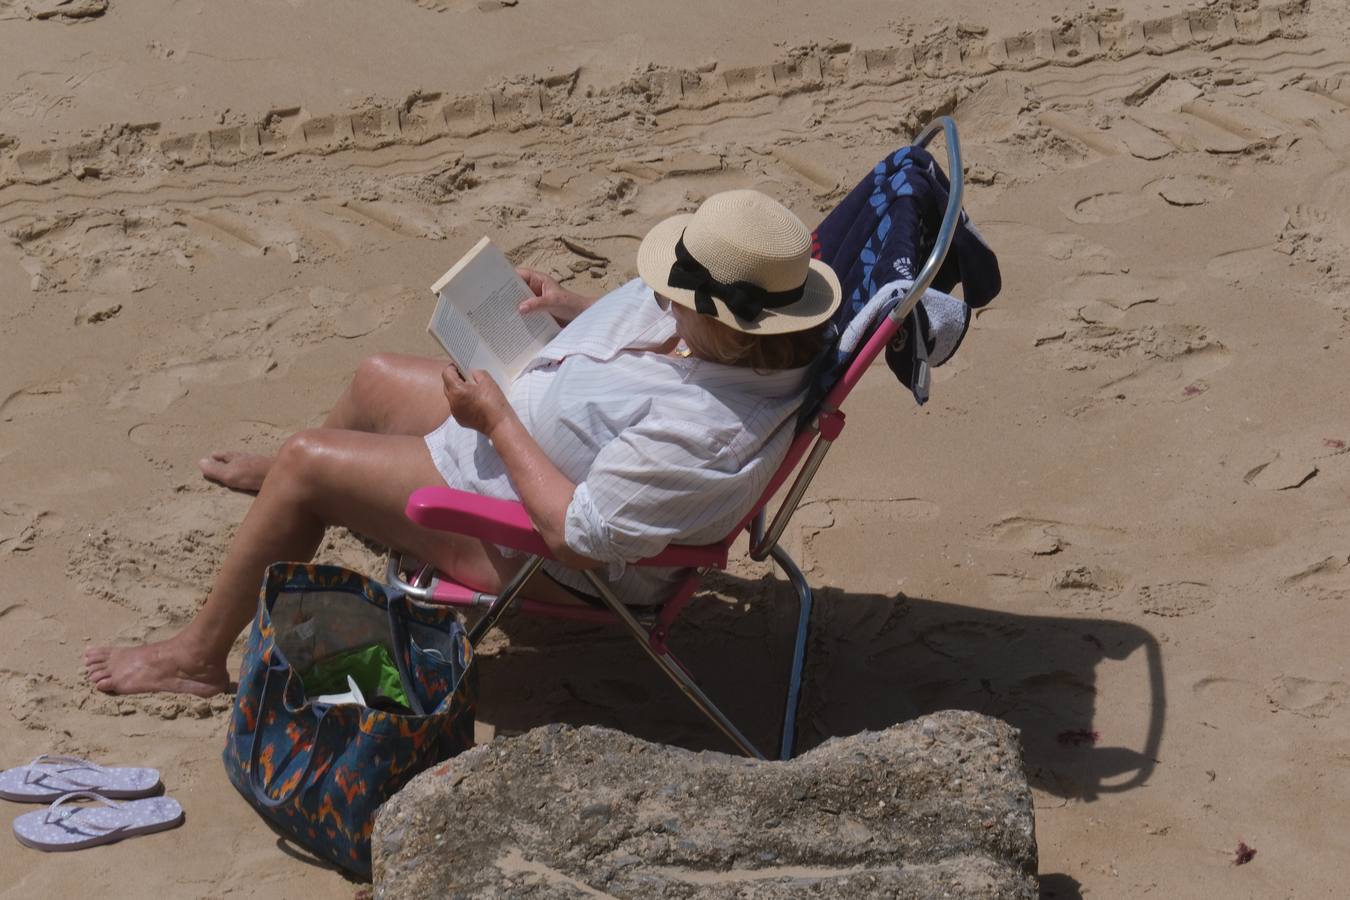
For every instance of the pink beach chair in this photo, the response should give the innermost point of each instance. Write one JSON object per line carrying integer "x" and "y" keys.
{"x": 506, "y": 523}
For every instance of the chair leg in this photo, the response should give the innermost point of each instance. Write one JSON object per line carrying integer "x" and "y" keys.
{"x": 504, "y": 600}
{"x": 794, "y": 691}
{"x": 673, "y": 669}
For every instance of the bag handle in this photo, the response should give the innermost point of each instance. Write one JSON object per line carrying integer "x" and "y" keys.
{"x": 398, "y": 630}
{"x": 260, "y": 790}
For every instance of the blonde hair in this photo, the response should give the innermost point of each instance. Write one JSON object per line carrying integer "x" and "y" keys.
{"x": 716, "y": 342}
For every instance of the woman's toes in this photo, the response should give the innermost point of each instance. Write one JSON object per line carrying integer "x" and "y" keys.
{"x": 216, "y": 466}
{"x": 235, "y": 470}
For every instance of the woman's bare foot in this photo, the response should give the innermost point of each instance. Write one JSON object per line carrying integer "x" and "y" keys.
{"x": 237, "y": 471}
{"x": 161, "y": 666}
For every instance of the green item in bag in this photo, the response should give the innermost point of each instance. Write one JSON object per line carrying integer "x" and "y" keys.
{"x": 371, "y": 666}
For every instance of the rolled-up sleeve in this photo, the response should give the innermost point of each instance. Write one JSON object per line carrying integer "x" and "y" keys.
{"x": 655, "y": 484}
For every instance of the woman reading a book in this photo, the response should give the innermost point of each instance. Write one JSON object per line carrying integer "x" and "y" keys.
{"x": 656, "y": 416}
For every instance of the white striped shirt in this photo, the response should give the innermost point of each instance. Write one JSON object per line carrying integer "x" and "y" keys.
{"x": 662, "y": 449}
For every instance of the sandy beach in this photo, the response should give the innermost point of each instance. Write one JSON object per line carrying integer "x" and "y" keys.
{"x": 1122, "y": 523}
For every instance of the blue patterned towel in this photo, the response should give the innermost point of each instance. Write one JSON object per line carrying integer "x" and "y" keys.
{"x": 878, "y": 237}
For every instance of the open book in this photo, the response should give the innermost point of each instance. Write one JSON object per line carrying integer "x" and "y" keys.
{"x": 476, "y": 319}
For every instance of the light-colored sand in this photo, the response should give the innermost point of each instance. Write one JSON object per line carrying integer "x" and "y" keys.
{"x": 1124, "y": 512}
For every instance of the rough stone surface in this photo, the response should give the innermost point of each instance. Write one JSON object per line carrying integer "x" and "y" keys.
{"x": 938, "y": 807}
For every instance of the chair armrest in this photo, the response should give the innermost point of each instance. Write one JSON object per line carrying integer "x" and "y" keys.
{"x": 501, "y": 522}
{"x": 506, "y": 524}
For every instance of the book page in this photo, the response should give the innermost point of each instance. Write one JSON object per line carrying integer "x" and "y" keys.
{"x": 513, "y": 338}
{"x": 456, "y": 334}
{"x": 477, "y": 320}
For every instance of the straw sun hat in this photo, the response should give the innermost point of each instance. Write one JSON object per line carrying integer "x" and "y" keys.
{"x": 744, "y": 259}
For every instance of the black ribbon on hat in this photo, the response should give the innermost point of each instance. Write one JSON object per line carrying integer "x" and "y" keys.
{"x": 744, "y": 299}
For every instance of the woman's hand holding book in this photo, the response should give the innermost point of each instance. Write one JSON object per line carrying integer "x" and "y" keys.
{"x": 550, "y": 297}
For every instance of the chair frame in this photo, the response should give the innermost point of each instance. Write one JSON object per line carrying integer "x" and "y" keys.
{"x": 506, "y": 523}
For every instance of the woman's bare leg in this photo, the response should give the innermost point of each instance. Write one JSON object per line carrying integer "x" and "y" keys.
{"x": 320, "y": 478}
{"x": 390, "y": 393}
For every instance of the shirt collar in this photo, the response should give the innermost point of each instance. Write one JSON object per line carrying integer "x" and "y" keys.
{"x": 628, "y": 318}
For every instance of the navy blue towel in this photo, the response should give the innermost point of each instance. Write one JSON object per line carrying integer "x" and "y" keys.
{"x": 883, "y": 231}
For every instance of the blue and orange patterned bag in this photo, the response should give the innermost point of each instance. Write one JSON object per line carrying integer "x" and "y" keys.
{"x": 317, "y": 772}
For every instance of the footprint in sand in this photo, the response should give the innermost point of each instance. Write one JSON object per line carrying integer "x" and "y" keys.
{"x": 1217, "y": 691}
{"x": 407, "y": 220}
{"x": 1316, "y": 234}
{"x": 829, "y": 529}
{"x": 1106, "y": 208}
{"x": 248, "y": 231}
{"x": 1320, "y": 235}
{"x": 97, "y": 311}
{"x": 992, "y": 111}
{"x": 234, "y": 346}
{"x": 1175, "y": 599}
{"x": 1330, "y": 572}
{"x": 1086, "y": 581}
{"x": 65, "y": 9}
{"x": 157, "y": 391}
{"x": 1056, "y": 688}
{"x": 968, "y": 640}
{"x": 1109, "y": 298}
{"x": 158, "y": 561}
{"x": 114, "y": 252}
{"x": 159, "y": 434}
{"x": 1190, "y": 190}
{"x": 1175, "y": 190}
{"x": 1038, "y": 537}
{"x": 44, "y": 399}
{"x": 1178, "y": 360}
{"x": 1088, "y": 256}
{"x": 255, "y": 436}
{"x": 99, "y": 250}
{"x": 1249, "y": 266}
{"x": 41, "y": 701}
{"x": 37, "y": 701}
{"x": 35, "y": 635}
{"x": 370, "y": 311}
{"x": 1306, "y": 696}
{"x": 1047, "y": 537}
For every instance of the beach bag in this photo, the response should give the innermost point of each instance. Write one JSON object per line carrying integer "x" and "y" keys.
{"x": 318, "y": 772}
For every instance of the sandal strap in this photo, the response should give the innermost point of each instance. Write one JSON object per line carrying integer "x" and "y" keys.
{"x": 64, "y": 799}
{"x": 34, "y": 775}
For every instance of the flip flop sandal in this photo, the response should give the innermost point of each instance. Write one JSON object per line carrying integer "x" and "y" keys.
{"x": 48, "y": 777}
{"x": 64, "y": 827}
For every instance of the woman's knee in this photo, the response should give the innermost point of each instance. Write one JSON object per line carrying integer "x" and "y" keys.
{"x": 392, "y": 393}
{"x": 374, "y": 374}
{"x": 299, "y": 462}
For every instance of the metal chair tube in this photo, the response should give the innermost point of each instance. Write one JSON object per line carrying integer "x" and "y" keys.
{"x": 393, "y": 574}
{"x": 951, "y": 217}
{"x": 673, "y": 670}
{"x": 762, "y": 545}
{"x": 504, "y": 599}
{"x": 794, "y": 692}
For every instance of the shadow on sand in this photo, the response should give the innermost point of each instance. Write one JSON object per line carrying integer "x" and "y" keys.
{"x": 872, "y": 661}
